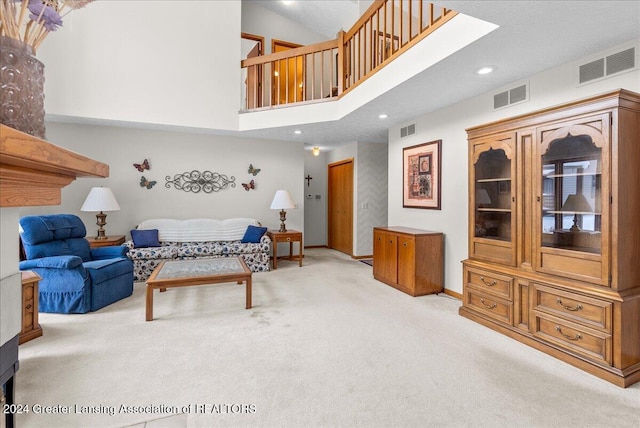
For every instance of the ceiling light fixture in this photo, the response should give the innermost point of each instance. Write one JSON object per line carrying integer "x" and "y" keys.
{"x": 297, "y": 132}
{"x": 316, "y": 151}
{"x": 486, "y": 69}
{"x": 287, "y": 2}
{"x": 383, "y": 116}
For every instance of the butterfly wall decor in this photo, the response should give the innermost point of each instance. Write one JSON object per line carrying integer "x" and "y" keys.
{"x": 146, "y": 183}
{"x": 142, "y": 166}
{"x": 249, "y": 186}
{"x": 253, "y": 170}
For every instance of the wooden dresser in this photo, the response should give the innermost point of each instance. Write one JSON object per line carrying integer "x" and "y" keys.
{"x": 554, "y": 229}
{"x": 410, "y": 260}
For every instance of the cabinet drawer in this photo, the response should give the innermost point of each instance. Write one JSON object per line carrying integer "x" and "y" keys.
{"x": 573, "y": 307}
{"x": 491, "y": 283}
{"x": 491, "y": 306}
{"x": 578, "y": 339}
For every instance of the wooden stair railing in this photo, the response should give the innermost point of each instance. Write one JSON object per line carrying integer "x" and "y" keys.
{"x": 327, "y": 70}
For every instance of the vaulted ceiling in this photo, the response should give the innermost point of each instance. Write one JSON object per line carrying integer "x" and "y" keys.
{"x": 532, "y": 36}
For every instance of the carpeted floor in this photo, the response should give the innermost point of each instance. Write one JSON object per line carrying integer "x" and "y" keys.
{"x": 325, "y": 345}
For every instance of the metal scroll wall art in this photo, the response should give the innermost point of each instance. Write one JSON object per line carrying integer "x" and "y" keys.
{"x": 196, "y": 181}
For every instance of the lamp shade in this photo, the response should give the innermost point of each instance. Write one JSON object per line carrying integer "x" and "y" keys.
{"x": 282, "y": 200}
{"x": 577, "y": 204}
{"x": 100, "y": 199}
{"x": 482, "y": 197}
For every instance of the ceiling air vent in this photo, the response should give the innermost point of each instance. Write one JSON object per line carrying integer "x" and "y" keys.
{"x": 408, "y": 130}
{"x": 510, "y": 96}
{"x": 607, "y": 66}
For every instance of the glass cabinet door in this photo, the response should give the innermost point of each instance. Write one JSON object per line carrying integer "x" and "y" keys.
{"x": 493, "y": 196}
{"x": 571, "y": 177}
{"x": 571, "y": 195}
{"x": 492, "y": 201}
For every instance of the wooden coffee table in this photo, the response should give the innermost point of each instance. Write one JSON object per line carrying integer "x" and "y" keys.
{"x": 182, "y": 273}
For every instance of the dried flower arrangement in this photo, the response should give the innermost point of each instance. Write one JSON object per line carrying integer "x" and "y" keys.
{"x": 43, "y": 17}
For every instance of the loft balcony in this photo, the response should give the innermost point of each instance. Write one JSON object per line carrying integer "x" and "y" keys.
{"x": 329, "y": 80}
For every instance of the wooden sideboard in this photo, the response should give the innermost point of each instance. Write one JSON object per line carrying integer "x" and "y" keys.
{"x": 410, "y": 260}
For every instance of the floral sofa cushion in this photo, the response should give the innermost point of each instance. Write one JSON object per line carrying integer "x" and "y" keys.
{"x": 193, "y": 239}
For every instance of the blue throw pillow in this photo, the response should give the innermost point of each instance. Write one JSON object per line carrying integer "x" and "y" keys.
{"x": 145, "y": 238}
{"x": 253, "y": 234}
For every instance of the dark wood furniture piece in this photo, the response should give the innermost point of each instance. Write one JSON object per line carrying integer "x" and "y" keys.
{"x": 183, "y": 273}
{"x": 109, "y": 241}
{"x": 410, "y": 260}
{"x": 30, "y": 325}
{"x": 289, "y": 236}
{"x": 553, "y": 232}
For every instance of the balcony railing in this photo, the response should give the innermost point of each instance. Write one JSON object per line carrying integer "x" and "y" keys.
{"x": 327, "y": 70}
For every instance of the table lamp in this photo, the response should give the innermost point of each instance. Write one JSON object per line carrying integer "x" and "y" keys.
{"x": 578, "y": 205}
{"x": 100, "y": 199}
{"x": 281, "y": 201}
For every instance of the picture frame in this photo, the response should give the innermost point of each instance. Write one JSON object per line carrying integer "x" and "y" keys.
{"x": 421, "y": 175}
{"x": 504, "y": 187}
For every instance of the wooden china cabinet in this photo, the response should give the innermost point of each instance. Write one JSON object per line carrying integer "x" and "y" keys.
{"x": 554, "y": 232}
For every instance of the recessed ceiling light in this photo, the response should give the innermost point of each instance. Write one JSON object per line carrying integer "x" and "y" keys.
{"x": 383, "y": 116}
{"x": 485, "y": 69}
{"x": 297, "y": 131}
{"x": 287, "y": 2}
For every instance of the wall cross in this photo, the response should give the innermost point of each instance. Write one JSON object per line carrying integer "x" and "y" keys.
{"x": 308, "y": 178}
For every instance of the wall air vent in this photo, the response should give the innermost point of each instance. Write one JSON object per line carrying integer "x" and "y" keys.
{"x": 608, "y": 65}
{"x": 408, "y": 130}
{"x": 511, "y": 96}
{"x": 621, "y": 61}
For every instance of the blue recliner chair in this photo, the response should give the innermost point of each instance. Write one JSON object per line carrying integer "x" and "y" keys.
{"x": 75, "y": 277}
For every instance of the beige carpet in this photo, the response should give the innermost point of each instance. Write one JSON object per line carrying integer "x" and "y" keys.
{"x": 324, "y": 346}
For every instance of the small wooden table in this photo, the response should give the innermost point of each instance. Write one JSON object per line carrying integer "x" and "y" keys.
{"x": 109, "y": 241}
{"x": 289, "y": 236}
{"x": 182, "y": 273}
{"x": 30, "y": 325}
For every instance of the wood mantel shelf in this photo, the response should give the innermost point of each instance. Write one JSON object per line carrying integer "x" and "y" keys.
{"x": 34, "y": 171}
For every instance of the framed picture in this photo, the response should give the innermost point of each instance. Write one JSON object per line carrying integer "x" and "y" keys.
{"x": 504, "y": 187}
{"x": 421, "y": 175}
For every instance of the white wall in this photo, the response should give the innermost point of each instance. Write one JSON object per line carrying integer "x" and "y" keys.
{"x": 549, "y": 88}
{"x": 263, "y": 22}
{"x": 370, "y": 195}
{"x": 170, "y": 153}
{"x": 315, "y": 209}
{"x": 160, "y": 62}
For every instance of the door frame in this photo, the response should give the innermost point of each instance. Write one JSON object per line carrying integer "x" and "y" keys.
{"x": 260, "y": 41}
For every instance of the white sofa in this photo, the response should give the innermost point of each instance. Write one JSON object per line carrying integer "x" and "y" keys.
{"x": 198, "y": 238}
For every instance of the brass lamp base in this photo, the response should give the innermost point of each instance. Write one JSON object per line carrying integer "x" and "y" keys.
{"x": 101, "y": 221}
{"x": 283, "y": 217}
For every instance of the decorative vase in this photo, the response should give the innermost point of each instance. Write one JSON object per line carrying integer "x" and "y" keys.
{"x": 21, "y": 87}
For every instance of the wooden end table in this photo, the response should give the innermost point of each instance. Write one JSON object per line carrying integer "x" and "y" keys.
{"x": 30, "y": 325}
{"x": 109, "y": 241}
{"x": 289, "y": 236}
{"x": 182, "y": 273}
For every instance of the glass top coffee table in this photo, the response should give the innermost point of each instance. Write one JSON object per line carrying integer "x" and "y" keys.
{"x": 182, "y": 273}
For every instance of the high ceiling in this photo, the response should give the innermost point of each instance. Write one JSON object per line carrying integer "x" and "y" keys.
{"x": 532, "y": 36}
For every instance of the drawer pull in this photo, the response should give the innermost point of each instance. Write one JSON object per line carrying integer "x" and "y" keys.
{"x": 488, "y": 284}
{"x": 404, "y": 245}
{"x": 576, "y": 337}
{"x": 569, "y": 308}
{"x": 288, "y": 239}
{"x": 488, "y": 306}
